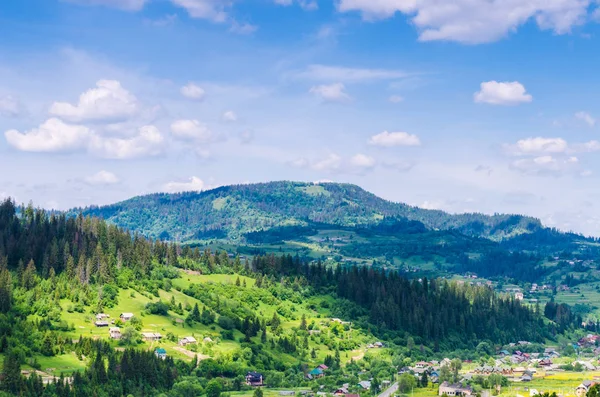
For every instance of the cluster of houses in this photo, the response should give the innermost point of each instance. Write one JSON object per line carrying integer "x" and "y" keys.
{"x": 453, "y": 390}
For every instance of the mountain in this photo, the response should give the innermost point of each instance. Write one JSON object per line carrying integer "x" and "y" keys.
{"x": 230, "y": 212}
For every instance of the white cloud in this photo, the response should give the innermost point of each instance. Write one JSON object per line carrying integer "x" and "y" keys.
{"x": 339, "y": 73}
{"x": 52, "y": 136}
{"x": 242, "y": 28}
{"x": 591, "y": 146}
{"x": 538, "y": 145}
{"x": 147, "y": 142}
{"x": 192, "y": 184}
{"x": 362, "y": 161}
{"x": 127, "y": 5}
{"x": 395, "y": 99}
{"x": 192, "y": 91}
{"x": 546, "y": 165}
{"x": 108, "y": 102}
{"x": 214, "y": 10}
{"x": 331, "y": 163}
{"x": 102, "y": 178}
{"x": 502, "y": 93}
{"x": 284, "y": 2}
{"x": 389, "y": 139}
{"x": 229, "y": 116}
{"x": 474, "y": 21}
{"x": 586, "y": 117}
{"x": 10, "y": 106}
{"x": 191, "y": 130}
{"x": 331, "y": 92}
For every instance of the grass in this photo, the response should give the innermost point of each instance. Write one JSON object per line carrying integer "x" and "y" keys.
{"x": 135, "y": 302}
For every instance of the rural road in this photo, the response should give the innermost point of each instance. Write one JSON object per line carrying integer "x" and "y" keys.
{"x": 390, "y": 390}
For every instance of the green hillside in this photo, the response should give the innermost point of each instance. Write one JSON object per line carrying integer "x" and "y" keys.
{"x": 230, "y": 212}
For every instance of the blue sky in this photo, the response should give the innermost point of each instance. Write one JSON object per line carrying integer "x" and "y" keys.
{"x": 473, "y": 105}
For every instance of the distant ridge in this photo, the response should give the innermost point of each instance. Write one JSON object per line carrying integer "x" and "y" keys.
{"x": 230, "y": 212}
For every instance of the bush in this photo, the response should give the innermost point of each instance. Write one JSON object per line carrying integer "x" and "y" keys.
{"x": 226, "y": 323}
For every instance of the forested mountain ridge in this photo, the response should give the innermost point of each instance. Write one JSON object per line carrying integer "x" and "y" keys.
{"x": 61, "y": 277}
{"x": 229, "y": 212}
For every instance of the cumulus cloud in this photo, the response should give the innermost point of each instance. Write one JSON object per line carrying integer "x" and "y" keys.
{"x": 192, "y": 91}
{"x": 331, "y": 92}
{"x": 102, "y": 178}
{"x": 127, "y": 5}
{"x": 214, "y": 10}
{"x": 192, "y": 184}
{"x": 345, "y": 74}
{"x": 538, "y": 145}
{"x": 474, "y": 21}
{"x": 148, "y": 142}
{"x": 108, "y": 102}
{"x": 52, "y": 136}
{"x": 389, "y": 139}
{"x": 586, "y": 118}
{"x": 10, "y": 106}
{"x": 229, "y": 116}
{"x": 191, "y": 130}
{"x": 502, "y": 93}
{"x": 548, "y": 164}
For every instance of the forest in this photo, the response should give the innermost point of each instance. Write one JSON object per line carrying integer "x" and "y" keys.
{"x": 55, "y": 265}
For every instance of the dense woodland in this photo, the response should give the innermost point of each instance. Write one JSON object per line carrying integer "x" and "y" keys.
{"x": 46, "y": 258}
{"x": 436, "y": 311}
{"x": 233, "y": 211}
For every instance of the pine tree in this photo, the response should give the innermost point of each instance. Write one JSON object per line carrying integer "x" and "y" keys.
{"x": 303, "y": 326}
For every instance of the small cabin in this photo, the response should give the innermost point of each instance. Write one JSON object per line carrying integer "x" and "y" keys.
{"x": 160, "y": 353}
{"x": 151, "y": 336}
{"x": 187, "y": 340}
{"x": 126, "y": 316}
{"x": 115, "y": 333}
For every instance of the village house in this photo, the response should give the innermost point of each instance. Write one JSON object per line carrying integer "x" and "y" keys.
{"x": 101, "y": 323}
{"x": 187, "y": 340}
{"x": 365, "y": 384}
{"x": 160, "y": 353}
{"x": 583, "y": 388}
{"x": 342, "y": 391}
{"x": 151, "y": 336}
{"x": 519, "y": 296}
{"x": 254, "y": 379}
{"x": 585, "y": 364}
{"x": 102, "y": 316}
{"x": 422, "y": 364}
{"x": 114, "y": 333}
{"x": 126, "y": 316}
{"x": 316, "y": 373}
{"x": 454, "y": 390}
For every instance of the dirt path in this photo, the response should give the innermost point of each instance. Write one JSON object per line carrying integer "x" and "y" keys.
{"x": 191, "y": 354}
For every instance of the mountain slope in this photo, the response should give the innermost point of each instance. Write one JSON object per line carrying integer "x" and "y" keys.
{"x": 230, "y": 212}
